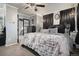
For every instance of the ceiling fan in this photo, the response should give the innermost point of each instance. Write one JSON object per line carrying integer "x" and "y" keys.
{"x": 34, "y": 5}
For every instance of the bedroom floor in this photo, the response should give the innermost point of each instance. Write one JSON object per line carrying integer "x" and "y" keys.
{"x": 75, "y": 52}
{"x": 14, "y": 50}
{"x": 17, "y": 50}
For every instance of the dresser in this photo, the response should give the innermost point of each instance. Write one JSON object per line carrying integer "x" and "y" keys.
{"x": 3, "y": 37}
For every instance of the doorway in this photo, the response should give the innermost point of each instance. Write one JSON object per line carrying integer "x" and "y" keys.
{"x": 23, "y": 24}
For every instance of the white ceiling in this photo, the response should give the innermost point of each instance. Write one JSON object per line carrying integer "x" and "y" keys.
{"x": 49, "y": 8}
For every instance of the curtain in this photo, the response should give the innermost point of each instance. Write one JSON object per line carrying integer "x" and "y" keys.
{"x": 68, "y": 17}
{"x": 47, "y": 21}
{"x": 78, "y": 18}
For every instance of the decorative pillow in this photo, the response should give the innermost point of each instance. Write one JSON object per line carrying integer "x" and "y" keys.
{"x": 53, "y": 30}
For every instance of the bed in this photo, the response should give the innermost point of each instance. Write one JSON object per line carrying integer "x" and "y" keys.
{"x": 47, "y": 44}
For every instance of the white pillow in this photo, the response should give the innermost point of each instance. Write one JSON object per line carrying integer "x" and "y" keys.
{"x": 45, "y": 31}
{"x": 51, "y": 30}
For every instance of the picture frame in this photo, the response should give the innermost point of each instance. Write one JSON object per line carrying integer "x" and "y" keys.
{"x": 57, "y": 16}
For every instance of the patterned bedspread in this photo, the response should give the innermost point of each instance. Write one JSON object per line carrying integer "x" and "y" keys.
{"x": 47, "y": 44}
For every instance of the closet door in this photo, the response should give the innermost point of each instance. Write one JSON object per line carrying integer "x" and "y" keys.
{"x": 11, "y": 25}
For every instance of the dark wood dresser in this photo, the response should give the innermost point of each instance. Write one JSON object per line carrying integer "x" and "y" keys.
{"x": 3, "y": 38}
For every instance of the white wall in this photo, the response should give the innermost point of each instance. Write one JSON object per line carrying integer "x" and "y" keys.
{"x": 39, "y": 22}
{"x": 2, "y": 9}
{"x": 11, "y": 25}
{"x": 76, "y": 19}
{"x": 22, "y": 15}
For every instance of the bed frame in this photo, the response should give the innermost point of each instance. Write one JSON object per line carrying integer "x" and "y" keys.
{"x": 34, "y": 52}
{"x": 31, "y": 50}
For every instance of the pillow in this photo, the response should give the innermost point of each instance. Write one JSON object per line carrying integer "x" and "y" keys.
{"x": 45, "y": 31}
{"x": 53, "y": 30}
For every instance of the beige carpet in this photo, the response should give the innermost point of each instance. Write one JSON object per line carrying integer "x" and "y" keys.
{"x": 17, "y": 50}
{"x": 14, "y": 50}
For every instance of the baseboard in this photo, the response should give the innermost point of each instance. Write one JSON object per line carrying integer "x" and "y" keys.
{"x": 10, "y": 44}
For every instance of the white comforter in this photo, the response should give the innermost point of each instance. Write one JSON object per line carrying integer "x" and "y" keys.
{"x": 47, "y": 44}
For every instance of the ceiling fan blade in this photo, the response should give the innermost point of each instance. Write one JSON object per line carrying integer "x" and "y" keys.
{"x": 40, "y": 5}
{"x": 27, "y": 3}
{"x": 26, "y": 7}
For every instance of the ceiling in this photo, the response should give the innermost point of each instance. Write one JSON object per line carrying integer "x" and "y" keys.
{"x": 49, "y": 8}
